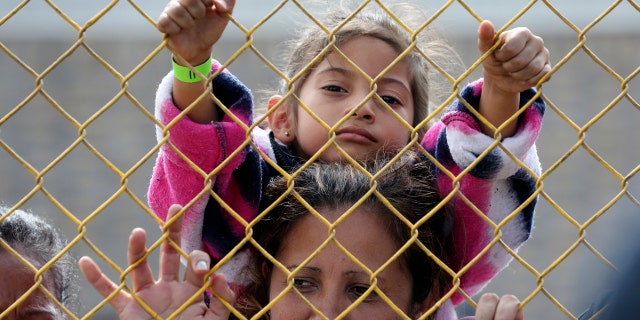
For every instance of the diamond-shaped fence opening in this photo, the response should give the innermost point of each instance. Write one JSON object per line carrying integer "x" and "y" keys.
{"x": 78, "y": 133}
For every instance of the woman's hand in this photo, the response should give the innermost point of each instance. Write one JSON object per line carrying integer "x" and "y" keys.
{"x": 168, "y": 293}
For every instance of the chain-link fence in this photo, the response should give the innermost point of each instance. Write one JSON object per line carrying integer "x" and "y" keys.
{"x": 78, "y": 144}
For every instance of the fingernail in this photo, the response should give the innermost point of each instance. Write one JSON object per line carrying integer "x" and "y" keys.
{"x": 202, "y": 265}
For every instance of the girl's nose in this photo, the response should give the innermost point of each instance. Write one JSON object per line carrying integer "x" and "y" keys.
{"x": 366, "y": 111}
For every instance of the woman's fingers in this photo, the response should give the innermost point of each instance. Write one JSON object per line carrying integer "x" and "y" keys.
{"x": 141, "y": 275}
{"x": 217, "y": 310}
{"x": 169, "y": 256}
{"x": 197, "y": 268}
{"x": 102, "y": 284}
{"x": 195, "y": 273}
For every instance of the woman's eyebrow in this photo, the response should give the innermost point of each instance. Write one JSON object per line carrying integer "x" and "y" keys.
{"x": 362, "y": 274}
{"x": 309, "y": 269}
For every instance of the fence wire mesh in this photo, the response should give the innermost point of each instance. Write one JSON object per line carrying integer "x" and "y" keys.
{"x": 77, "y": 124}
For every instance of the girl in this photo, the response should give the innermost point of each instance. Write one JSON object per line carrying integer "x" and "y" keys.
{"x": 329, "y": 112}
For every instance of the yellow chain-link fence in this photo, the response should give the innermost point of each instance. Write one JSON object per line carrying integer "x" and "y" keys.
{"x": 78, "y": 144}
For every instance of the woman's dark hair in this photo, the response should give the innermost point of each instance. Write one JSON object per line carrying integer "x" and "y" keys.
{"x": 34, "y": 238}
{"x": 406, "y": 183}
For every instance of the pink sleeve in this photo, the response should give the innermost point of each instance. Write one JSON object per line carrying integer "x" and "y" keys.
{"x": 173, "y": 179}
{"x": 496, "y": 186}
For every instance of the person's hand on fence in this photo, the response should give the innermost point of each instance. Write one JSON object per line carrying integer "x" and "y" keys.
{"x": 518, "y": 63}
{"x": 166, "y": 295}
{"x": 490, "y": 307}
{"x": 194, "y": 26}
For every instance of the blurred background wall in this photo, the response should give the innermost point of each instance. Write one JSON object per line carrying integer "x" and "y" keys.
{"x": 99, "y": 85}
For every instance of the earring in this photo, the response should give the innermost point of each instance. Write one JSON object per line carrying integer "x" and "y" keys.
{"x": 286, "y": 133}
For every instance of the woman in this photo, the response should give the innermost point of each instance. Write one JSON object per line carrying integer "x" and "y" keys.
{"x": 29, "y": 243}
{"x": 340, "y": 257}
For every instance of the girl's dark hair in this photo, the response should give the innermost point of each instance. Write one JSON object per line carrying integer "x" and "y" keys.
{"x": 407, "y": 184}
{"x": 34, "y": 238}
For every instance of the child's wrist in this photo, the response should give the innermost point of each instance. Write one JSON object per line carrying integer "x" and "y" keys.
{"x": 186, "y": 74}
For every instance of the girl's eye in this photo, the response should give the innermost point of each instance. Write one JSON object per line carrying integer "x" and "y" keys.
{"x": 391, "y": 101}
{"x": 357, "y": 291}
{"x": 333, "y": 88}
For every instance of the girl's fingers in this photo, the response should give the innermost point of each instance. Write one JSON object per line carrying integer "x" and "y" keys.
{"x": 102, "y": 284}
{"x": 524, "y": 57}
{"x": 224, "y": 6}
{"x": 141, "y": 275}
{"x": 486, "y": 36}
{"x": 508, "y": 308}
{"x": 170, "y": 257}
{"x": 487, "y": 306}
{"x": 546, "y": 69}
{"x": 519, "y": 44}
{"x": 196, "y": 8}
{"x": 492, "y": 307}
{"x": 166, "y": 25}
{"x": 174, "y": 18}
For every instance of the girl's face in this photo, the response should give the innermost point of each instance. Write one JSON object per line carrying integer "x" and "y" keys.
{"x": 331, "y": 281}
{"x": 335, "y": 88}
{"x": 17, "y": 279}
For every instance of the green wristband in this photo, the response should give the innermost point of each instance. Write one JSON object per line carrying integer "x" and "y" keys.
{"x": 185, "y": 74}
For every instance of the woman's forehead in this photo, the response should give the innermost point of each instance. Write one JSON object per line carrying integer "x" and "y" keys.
{"x": 362, "y": 232}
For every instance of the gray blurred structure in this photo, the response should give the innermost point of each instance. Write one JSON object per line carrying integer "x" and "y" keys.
{"x": 122, "y": 20}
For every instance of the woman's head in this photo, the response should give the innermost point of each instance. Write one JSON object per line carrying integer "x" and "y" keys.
{"x": 37, "y": 242}
{"x": 316, "y": 45}
{"x": 372, "y": 233}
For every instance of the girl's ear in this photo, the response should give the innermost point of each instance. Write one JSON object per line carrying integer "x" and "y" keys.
{"x": 425, "y": 305}
{"x": 281, "y": 120}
